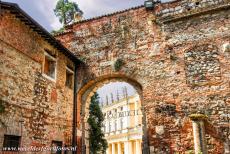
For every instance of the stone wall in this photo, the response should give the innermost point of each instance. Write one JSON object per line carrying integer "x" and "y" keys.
{"x": 180, "y": 58}
{"x": 184, "y": 8}
{"x": 44, "y": 106}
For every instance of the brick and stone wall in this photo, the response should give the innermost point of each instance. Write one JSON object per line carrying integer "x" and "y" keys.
{"x": 44, "y": 106}
{"x": 179, "y": 56}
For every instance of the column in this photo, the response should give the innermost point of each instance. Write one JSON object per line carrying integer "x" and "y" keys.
{"x": 138, "y": 151}
{"x": 199, "y": 133}
{"x": 126, "y": 145}
{"x": 107, "y": 150}
{"x": 119, "y": 148}
{"x": 126, "y": 117}
{"x": 130, "y": 147}
{"x": 106, "y": 125}
{"x": 113, "y": 148}
{"x": 226, "y": 146}
{"x": 136, "y": 116}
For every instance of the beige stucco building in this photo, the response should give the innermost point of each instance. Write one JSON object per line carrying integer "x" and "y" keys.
{"x": 122, "y": 125}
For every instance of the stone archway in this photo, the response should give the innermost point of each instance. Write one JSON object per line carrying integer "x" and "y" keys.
{"x": 87, "y": 91}
{"x": 153, "y": 46}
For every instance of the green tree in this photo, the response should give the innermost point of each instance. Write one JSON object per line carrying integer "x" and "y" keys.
{"x": 65, "y": 11}
{"x": 97, "y": 143}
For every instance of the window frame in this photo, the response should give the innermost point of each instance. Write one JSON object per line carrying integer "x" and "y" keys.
{"x": 121, "y": 124}
{"x": 46, "y": 54}
{"x": 110, "y": 127}
{"x": 5, "y": 148}
{"x": 115, "y": 125}
{"x": 70, "y": 70}
{"x": 56, "y": 142}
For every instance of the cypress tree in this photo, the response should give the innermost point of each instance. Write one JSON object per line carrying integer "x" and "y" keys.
{"x": 97, "y": 143}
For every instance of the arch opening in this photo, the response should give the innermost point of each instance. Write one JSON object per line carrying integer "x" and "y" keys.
{"x": 128, "y": 121}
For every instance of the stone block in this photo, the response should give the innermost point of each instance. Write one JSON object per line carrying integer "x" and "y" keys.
{"x": 160, "y": 130}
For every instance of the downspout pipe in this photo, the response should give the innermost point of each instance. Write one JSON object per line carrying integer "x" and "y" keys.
{"x": 74, "y": 133}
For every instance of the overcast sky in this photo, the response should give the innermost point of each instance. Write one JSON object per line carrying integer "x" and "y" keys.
{"x": 42, "y": 10}
{"x": 114, "y": 88}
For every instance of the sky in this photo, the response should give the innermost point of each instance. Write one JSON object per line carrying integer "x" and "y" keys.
{"x": 114, "y": 88}
{"x": 42, "y": 10}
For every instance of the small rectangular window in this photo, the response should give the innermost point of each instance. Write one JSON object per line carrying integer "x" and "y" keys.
{"x": 115, "y": 125}
{"x": 110, "y": 127}
{"x": 69, "y": 77}
{"x": 50, "y": 66}
{"x": 56, "y": 147}
{"x": 121, "y": 122}
{"x": 11, "y": 143}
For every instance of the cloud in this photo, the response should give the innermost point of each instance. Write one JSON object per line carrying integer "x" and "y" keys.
{"x": 93, "y": 8}
{"x": 42, "y": 10}
{"x": 47, "y": 7}
{"x": 113, "y": 88}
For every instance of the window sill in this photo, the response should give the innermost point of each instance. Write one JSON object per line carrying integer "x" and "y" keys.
{"x": 49, "y": 78}
{"x": 70, "y": 88}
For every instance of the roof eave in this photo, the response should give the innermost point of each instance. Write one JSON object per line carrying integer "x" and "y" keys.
{"x": 24, "y": 17}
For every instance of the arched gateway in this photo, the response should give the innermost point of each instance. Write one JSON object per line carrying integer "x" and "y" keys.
{"x": 86, "y": 92}
{"x": 179, "y": 66}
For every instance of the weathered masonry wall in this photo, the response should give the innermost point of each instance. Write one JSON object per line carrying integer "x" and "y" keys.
{"x": 179, "y": 53}
{"x": 198, "y": 43}
{"x": 100, "y": 43}
{"x": 44, "y": 106}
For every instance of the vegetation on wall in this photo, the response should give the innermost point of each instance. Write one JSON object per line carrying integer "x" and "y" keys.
{"x": 97, "y": 143}
{"x": 198, "y": 116}
{"x": 173, "y": 57}
{"x": 117, "y": 65}
{"x": 2, "y": 107}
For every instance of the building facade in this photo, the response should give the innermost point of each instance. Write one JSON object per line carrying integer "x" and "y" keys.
{"x": 123, "y": 125}
{"x": 36, "y": 85}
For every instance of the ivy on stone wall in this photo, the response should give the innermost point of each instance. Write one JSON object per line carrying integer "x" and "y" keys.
{"x": 173, "y": 57}
{"x": 117, "y": 65}
{"x": 2, "y": 107}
